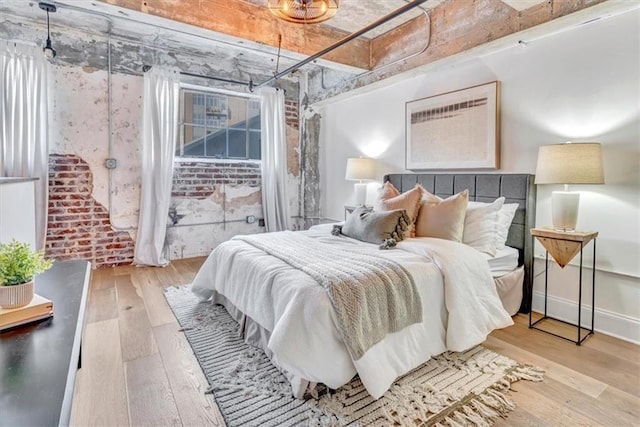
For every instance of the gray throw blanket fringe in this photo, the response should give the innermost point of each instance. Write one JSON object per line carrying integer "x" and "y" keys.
{"x": 372, "y": 295}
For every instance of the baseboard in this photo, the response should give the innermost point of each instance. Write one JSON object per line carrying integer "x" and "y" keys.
{"x": 607, "y": 322}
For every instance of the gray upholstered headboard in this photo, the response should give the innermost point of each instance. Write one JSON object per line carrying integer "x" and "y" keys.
{"x": 516, "y": 188}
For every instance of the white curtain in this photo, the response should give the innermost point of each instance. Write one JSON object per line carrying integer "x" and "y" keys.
{"x": 160, "y": 104}
{"x": 24, "y": 142}
{"x": 275, "y": 202}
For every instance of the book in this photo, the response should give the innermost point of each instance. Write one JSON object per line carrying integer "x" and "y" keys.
{"x": 39, "y": 308}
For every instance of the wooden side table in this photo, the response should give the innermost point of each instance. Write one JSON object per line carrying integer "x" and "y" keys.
{"x": 563, "y": 247}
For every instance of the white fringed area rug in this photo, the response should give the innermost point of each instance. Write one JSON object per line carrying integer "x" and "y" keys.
{"x": 452, "y": 389}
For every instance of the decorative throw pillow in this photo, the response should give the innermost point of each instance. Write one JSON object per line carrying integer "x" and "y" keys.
{"x": 481, "y": 225}
{"x": 385, "y": 228}
{"x": 387, "y": 191}
{"x": 505, "y": 218}
{"x": 440, "y": 218}
{"x": 389, "y": 198}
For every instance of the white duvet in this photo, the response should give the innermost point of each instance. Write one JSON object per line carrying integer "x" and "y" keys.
{"x": 459, "y": 302}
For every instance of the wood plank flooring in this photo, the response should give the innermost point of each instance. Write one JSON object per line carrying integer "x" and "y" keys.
{"x": 138, "y": 369}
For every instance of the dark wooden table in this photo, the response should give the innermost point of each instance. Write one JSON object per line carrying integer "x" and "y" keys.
{"x": 38, "y": 362}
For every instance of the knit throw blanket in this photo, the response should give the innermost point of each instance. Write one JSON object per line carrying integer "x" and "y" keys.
{"x": 372, "y": 295}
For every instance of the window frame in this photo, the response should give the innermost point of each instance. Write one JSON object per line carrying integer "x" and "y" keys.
{"x": 196, "y": 89}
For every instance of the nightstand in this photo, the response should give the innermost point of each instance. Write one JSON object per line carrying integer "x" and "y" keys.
{"x": 350, "y": 208}
{"x": 563, "y": 247}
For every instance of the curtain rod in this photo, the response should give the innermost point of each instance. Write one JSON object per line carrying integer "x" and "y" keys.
{"x": 146, "y": 68}
{"x": 220, "y": 79}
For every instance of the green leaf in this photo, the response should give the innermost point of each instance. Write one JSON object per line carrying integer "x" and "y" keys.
{"x": 19, "y": 264}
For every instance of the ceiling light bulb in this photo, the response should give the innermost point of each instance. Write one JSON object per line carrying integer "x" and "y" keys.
{"x": 49, "y": 51}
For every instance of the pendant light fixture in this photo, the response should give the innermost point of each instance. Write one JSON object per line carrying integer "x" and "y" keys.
{"x": 303, "y": 11}
{"x": 49, "y": 51}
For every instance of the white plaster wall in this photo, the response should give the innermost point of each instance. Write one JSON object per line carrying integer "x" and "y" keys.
{"x": 80, "y": 125}
{"x": 205, "y": 223}
{"x": 582, "y": 85}
{"x": 79, "y": 120}
{"x": 126, "y": 113}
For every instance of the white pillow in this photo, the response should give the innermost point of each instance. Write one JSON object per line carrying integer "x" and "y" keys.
{"x": 481, "y": 225}
{"x": 505, "y": 217}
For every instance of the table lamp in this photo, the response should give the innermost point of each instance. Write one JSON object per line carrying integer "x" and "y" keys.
{"x": 569, "y": 163}
{"x": 360, "y": 169}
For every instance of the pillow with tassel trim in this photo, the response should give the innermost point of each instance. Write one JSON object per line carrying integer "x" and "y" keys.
{"x": 383, "y": 228}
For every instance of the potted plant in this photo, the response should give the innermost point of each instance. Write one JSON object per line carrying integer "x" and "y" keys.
{"x": 18, "y": 266}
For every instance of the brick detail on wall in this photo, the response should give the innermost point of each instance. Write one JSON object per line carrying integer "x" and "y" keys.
{"x": 79, "y": 226}
{"x": 197, "y": 180}
{"x": 291, "y": 113}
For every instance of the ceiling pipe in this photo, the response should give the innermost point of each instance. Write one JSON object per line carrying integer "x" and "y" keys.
{"x": 382, "y": 67}
{"x": 344, "y": 40}
{"x": 406, "y": 58}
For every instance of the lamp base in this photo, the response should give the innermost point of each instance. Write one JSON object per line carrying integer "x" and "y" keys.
{"x": 361, "y": 193}
{"x": 564, "y": 210}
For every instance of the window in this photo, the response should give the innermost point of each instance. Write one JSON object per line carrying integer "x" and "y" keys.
{"x": 219, "y": 126}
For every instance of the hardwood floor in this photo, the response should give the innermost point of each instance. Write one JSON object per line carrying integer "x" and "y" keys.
{"x": 138, "y": 369}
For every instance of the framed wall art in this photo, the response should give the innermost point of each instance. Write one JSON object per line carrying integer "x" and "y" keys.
{"x": 454, "y": 130}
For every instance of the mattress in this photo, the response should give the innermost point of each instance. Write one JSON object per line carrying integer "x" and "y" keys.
{"x": 504, "y": 262}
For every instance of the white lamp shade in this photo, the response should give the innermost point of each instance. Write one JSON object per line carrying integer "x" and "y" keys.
{"x": 360, "y": 169}
{"x": 570, "y": 163}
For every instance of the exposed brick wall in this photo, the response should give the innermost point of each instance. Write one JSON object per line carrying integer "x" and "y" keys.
{"x": 291, "y": 113}
{"x": 197, "y": 180}
{"x": 79, "y": 226}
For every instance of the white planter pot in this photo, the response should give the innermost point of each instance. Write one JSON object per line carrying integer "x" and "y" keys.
{"x": 16, "y": 296}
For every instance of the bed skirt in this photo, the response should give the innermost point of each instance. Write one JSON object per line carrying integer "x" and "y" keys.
{"x": 509, "y": 288}
{"x": 256, "y": 335}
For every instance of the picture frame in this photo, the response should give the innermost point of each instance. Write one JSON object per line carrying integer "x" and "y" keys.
{"x": 454, "y": 130}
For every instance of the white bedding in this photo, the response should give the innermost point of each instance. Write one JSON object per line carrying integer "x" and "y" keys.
{"x": 503, "y": 262}
{"x": 304, "y": 338}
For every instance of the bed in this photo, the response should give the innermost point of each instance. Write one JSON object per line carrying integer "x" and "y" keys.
{"x": 283, "y": 310}
{"x": 515, "y": 188}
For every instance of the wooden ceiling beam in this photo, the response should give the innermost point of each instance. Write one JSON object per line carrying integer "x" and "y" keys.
{"x": 460, "y": 25}
{"x": 454, "y": 27}
{"x": 246, "y": 21}
{"x": 461, "y": 30}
